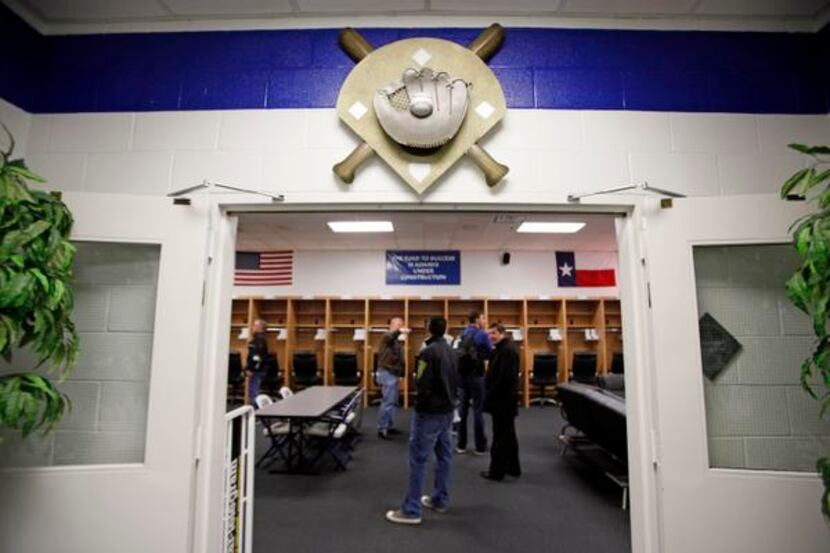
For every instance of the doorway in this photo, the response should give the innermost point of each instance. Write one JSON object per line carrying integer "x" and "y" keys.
{"x": 338, "y": 285}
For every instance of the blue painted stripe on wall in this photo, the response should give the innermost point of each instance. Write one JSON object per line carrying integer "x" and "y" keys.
{"x": 538, "y": 68}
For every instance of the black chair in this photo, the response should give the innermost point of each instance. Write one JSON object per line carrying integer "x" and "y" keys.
{"x": 305, "y": 371}
{"x": 617, "y": 364}
{"x": 544, "y": 373}
{"x": 236, "y": 379}
{"x": 584, "y": 367}
{"x": 345, "y": 369}
{"x": 271, "y": 379}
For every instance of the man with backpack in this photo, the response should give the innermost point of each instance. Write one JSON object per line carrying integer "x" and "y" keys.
{"x": 474, "y": 348}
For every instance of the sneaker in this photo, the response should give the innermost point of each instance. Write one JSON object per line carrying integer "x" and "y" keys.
{"x": 460, "y": 450}
{"x": 384, "y": 435}
{"x": 399, "y": 517}
{"x": 426, "y": 501}
{"x": 394, "y": 432}
{"x": 479, "y": 453}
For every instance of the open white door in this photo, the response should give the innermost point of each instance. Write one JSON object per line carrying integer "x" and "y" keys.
{"x": 736, "y": 452}
{"x": 118, "y": 474}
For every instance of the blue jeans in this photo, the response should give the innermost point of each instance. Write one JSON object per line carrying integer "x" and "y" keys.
{"x": 429, "y": 433}
{"x": 471, "y": 390}
{"x": 254, "y": 380}
{"x": 389, "y": 384}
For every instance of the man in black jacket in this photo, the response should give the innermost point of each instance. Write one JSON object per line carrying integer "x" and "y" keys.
{"x": 501, "y": 397}
{"x": 436, "y": 383}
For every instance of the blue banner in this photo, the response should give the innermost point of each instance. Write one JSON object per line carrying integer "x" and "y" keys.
{"x": 423, "y": 267}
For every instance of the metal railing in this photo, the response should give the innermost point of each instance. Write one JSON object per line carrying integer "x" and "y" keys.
{"x": 238, "y": 519}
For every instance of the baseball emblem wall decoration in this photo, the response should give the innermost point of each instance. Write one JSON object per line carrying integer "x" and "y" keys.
{"x": 421, "y": 104}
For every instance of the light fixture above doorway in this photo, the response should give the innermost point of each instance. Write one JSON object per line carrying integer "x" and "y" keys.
{"x": 550, "y": 227}
{"x": 361, "y": 226}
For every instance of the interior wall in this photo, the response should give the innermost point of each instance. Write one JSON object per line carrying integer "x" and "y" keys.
{"x": 360, "y": 273}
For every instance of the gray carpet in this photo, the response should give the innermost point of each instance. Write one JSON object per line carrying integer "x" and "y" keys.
{"x": 558, "y": 504}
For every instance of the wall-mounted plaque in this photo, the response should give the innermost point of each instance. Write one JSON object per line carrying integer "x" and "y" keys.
{"x": 717, "y": 346}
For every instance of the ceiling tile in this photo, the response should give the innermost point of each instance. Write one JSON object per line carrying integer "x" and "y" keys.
{"x": 225, "y": 7}
{"x": 360, "y": 6}
{"x": 628, "y": 7}
{"x": 514, "y": 6}
{"x": 761, "y": 7}
{"x": 97, "y": 9}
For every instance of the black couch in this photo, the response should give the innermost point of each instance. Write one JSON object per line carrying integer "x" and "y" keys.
{"x": 597, "y": 413}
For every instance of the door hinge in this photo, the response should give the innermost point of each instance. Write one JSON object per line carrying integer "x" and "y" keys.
{"x": 648, "y": 293}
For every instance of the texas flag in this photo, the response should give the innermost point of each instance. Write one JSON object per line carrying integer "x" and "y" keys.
{"x": 589, "y": 269}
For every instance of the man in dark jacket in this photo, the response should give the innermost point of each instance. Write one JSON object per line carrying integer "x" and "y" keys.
{"x": 501, "y": 398}
{"x": 474, "y": 348}
{"x": 390, "y": 371}
{"x": 436, "y": 384}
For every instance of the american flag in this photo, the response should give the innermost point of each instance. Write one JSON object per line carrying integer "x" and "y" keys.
{"x": 264, "y": 268}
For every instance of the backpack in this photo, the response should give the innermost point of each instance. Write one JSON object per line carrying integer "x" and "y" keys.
{"x": 468, "y": 356}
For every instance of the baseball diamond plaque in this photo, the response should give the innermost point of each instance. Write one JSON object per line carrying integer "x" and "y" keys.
{"x": 421, "y": 104}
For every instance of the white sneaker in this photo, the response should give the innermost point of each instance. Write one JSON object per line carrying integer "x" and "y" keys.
{"x": 399, "y": 517}
{"x": 479, "y": 453}
{"x": 426, "y": 501}
{"x": 460, "y": 451}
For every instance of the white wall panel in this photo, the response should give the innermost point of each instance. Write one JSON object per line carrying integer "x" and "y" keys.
{"x": 261, "y": 129}
{"x": 61, "y": 171}
{"x": 627, "y": 131}
{"x": 754, "y": 173}
{"x": 694, "y": 174}
{"x": 243, "y": 169}
{"x": 186, "y": 130}
{"x": 129, "y": 172}
{"x": 90, "y": 132}
{"x": 714, "y": 132}
{"x": 777, "y": 131}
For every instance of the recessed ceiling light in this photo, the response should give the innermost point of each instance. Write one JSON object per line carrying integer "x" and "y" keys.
{"x": 549, "y": 227}
{"x": 361, "y": 226}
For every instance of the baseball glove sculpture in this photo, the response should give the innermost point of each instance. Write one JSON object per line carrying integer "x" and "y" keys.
{"x": 424, "y": 109}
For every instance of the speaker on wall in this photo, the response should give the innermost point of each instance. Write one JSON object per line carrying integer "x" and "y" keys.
{"x": 505, "y": 258}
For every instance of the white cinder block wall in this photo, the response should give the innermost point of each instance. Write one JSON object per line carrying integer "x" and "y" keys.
{"x": 757, "y": 415}
{"x": 551, "y": 154}
{"x": 115, "y": 299}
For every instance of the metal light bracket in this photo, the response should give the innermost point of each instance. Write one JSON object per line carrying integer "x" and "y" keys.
{"x": 643, "y": 186}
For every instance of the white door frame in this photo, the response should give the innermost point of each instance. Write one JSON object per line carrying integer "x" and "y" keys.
{"x": 641, "y": 419}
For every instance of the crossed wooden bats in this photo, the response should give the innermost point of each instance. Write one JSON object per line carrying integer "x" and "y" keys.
{"x": 484, "y": 46}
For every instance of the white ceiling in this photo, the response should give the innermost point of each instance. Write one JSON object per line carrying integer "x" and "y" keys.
{"x": 461, "y": 231}
{"x": 61, "y": 15}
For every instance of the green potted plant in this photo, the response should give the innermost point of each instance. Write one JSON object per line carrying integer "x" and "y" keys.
{"x": 809, "y": 287}
{"x": 35, "y": 298}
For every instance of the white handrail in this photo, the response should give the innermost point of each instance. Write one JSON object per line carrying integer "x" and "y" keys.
{"x": 238, "y": 521}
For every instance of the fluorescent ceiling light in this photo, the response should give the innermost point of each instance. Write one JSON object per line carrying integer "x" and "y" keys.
{"x": 549, "y": 227}
{"x": 361, "y": 226}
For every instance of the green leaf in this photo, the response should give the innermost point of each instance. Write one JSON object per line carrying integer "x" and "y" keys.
{"x": 794, "y": 181}
{"x": 810, "y": 150}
